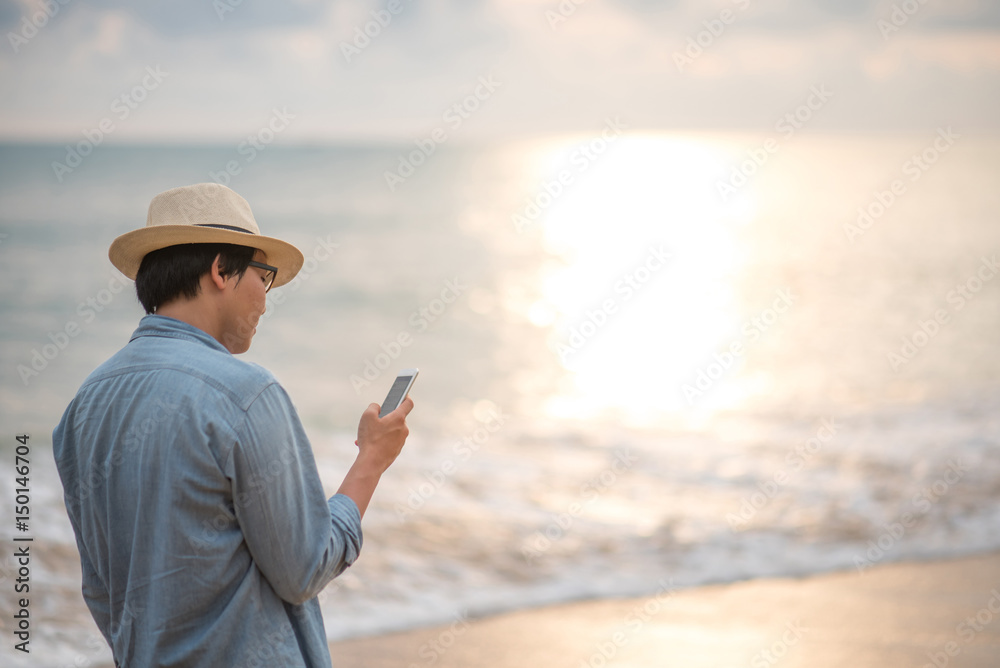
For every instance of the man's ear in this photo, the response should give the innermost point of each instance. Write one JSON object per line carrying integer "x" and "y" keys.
{"x": 214, "y": 276}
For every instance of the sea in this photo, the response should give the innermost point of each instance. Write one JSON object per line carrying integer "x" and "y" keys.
{"x": 647, "y": 360}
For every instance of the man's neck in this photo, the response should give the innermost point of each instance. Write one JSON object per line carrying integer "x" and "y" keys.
{"x": 195, "y": 312}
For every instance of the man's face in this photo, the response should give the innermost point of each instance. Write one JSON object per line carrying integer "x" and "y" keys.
{"x": 244, "y": 304}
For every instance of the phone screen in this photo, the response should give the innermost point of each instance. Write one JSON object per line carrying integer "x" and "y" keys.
{"x": 396, "y": 395}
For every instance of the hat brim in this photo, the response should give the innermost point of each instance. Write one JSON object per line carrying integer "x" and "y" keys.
{"x": 126, "y": 252}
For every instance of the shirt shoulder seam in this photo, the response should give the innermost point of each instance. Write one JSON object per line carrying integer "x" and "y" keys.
{"x": 244, "y": 402}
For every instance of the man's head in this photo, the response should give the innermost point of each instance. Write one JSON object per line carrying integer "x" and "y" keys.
{"x": 190, "y": 260}
{"x": 218, "y": 288}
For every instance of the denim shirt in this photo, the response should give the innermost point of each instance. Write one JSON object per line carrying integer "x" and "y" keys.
{"x": 203, "y": 529}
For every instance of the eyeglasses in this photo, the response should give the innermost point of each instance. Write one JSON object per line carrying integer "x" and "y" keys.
{"x": 272, "y": 273}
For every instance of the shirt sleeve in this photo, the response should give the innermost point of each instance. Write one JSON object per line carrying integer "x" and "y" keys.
{"x": 299, "y": 539}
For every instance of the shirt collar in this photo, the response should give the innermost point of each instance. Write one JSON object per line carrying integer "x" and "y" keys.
{"x": 161, "y": 325}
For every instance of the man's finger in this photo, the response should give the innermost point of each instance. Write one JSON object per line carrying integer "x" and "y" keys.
{"x": 406, "y": 406}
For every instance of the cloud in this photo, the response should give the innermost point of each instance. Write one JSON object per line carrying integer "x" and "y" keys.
{"x": 604, "y": 59}
{"x": 178, "y": 19}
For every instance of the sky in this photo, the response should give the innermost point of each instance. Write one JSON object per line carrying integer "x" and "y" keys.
{"x": 206, "y": 70}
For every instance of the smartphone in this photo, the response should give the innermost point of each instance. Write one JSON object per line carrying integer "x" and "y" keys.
{"x": 400, "y": 388}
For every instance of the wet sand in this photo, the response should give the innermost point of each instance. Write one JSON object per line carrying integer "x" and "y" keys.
{"x": 933, "y": 614}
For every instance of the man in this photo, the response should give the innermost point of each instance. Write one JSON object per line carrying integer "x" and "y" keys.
{"x": 203, "y": 530}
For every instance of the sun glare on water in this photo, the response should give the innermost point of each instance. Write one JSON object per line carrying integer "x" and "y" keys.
{"x": 644, "y": 293}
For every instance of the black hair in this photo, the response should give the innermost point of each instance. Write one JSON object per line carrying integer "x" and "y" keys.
{"x": 177, "y": 270}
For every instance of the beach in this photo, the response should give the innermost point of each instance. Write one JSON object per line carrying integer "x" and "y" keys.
{"x": 705, "y": 299}
{"x": 591, "y": 419}
{"x": 938, "y": 613}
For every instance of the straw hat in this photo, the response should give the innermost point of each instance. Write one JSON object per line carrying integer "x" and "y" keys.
{"x": 205, "y": 213}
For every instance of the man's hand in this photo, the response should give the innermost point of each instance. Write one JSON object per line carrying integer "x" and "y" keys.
{"x": 380, "y": 441}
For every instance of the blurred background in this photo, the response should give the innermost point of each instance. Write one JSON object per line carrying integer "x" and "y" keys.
{"x": 699, "y": 291}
